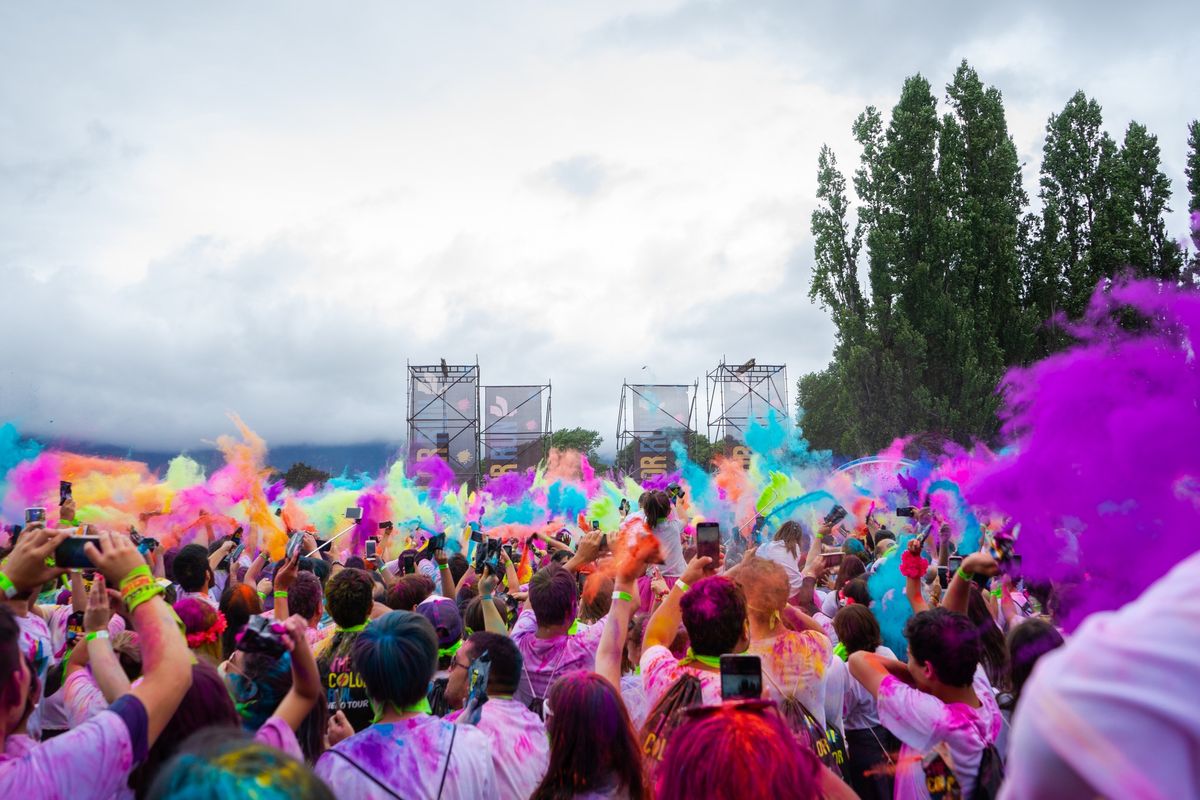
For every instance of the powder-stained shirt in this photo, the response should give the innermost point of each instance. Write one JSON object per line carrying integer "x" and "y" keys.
{"x": 922, "y": 722}
{"x": 548, "y": 659}
{"x": 343, "y": 685}
{"x": 36, "y": 644}
{"x": 92, "y": 760}
{"x": 82, "y": 698}
{"x": 409, "y": 758}
{"x": 796, "y": 663}
{"x": 276, "y": 733}
{"x": 660, "y": 671}
{"x": 520, "y": 748}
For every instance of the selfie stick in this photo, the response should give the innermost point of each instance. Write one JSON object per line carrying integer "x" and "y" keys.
{"x": 331, "y": 540}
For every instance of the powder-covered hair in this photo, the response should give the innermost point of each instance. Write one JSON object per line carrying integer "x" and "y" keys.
{"x": 396, "y": 655}
{"x": 714, "y": 614}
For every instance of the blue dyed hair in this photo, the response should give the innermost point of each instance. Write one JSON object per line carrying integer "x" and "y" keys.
{"x": 396, "y": 655}
{"x": 259, "y": 689}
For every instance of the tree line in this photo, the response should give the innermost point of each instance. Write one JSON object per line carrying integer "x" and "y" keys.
{"x": 939, "y": 274}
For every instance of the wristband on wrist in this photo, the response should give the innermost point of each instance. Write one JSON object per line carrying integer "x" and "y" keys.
{"x": 262, "y": 595}
{"x": 140, "y": 571}
{"x": 93, "y": 635}
{"x": 486, "y": 597}
{"x": 962, "y": 573}
{"x": 10, "y": 590}
{"x": 443, "y": 566}
{"x": 679, "y": 584}
{"x": 619, "y": 595}
{"x": 141, "y": 595}
{"x": 281, "y": 593}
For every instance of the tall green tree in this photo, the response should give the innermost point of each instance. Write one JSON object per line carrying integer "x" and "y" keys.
{"x": 1192, "y": 168}
{"x": 1147, "y": 189}
{"x": 581, "y": 439}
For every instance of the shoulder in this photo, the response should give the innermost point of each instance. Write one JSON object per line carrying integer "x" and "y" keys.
{"x": 656, "y": 658}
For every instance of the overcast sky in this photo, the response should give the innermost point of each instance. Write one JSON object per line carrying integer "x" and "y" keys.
{"x": 269, "y": 207}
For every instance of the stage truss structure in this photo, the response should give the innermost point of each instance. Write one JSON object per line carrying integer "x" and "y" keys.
{"x": 741, "y": 394}
{"x": 649, "y": 418}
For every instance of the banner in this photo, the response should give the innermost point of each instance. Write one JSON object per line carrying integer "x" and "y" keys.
{"x": 512, "y": 428}
{"x": 660, "y": 408}
{"x": 444, "y": 417}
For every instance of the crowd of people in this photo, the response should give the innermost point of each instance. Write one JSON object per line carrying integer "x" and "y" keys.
{"x": 616, "y": 669}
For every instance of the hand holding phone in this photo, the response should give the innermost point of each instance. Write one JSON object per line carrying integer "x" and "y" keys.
{"x": 708, "y": 542}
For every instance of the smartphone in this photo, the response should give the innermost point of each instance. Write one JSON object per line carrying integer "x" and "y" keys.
{"x": 236, "y": 554}
{"x": 835, "y": 515}
{"x": 708, "y": 541}
{"x": 437, "y": 542}
{"x": 477, "y": 681}
{"x": 944, "y": 576}
{"x": 834, "y": 559}
{"x": 905, "y": 511}
{"x": 477, "y": 537}
{"x": 604, "y": 541}
{"x": 35, "y": 515}
{"x": 508, "y": 550}
{"x": 70, "y": 553}
{"x": 741, "y": 677}
{"x": 385, "y": 526}
{"x": 64, "y": 491}
{"x": 595, "y": 524}
{"x": 354, "y": 512}
{"x": 372, "y": 549}
{"x": 237, "y": 534}
{"x": 294, "y": 544}
{"x": 953, "y": 563}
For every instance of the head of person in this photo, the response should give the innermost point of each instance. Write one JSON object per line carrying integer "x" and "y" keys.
{"x": 218, "y": 764}
{"x": 447, "y": 623}
{"x": 943, "y": 649}
{"x": 129, "y": 653}
{"x": 656, "y": 505}
{"x": 1027, "y": 643}
{"x": 733, "y": 752}
{"x": 553, "y": 596}
{"x": 458, "y": 567}
{"x": 306, "y": 597}
{"x": 631, "y": 657}
{"x": 594, "y": 604}
{"x": 349, "y": 596}
{"x": 792, "y": 536}
{"x": 592, "y": 741}
{"x": 17, "y": 680}
{"x": 203, "y": 626}
{"x": 356, "y": 562}
{"x": 319, "y": 567}
{"x": 855, "y": 593}
{"x": 852, "y": 567}
{"x": 714, "y": 614}
{"x": 854, "y": 547}
{"x": 206, "y": 704}
{"x": 396, "y": 655}
{"x": 504, "y": 675}
{"x": 258, "y": 683}
{"x": 239, "y": 602}
{"x": 765, "y": 586}
{"x": 409, "y": 591}
{"x": 473, "y": 620}
{"x": 191, "y": 569}
{"x": 560, "y": 557}
{"x": 857, "y": 628}
{"x": 168, "y": 558}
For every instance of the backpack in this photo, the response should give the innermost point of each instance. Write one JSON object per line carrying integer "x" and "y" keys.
{"x": 826, "y": 742}
{"x": 666, "y": 715}
{"x": 943, "y": 785}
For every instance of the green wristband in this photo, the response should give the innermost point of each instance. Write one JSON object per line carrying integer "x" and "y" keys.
{"x": 962, "y": 573}
{"x": 141, "y": 569}
{"x": 281, "y": 593}
{"x": 10, "y": 589}
{"x": 679, "y": 584}
{"x": 626, "y": 596}
{"x": 96, "y": 635}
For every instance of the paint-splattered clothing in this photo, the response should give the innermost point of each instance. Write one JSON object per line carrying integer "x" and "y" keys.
{"x": 922, "y": 722}
{"x": 276, "y": 733}
{"x": 520, "y": 748}
{"x": 409, "y": 757}
{"x": 796, "y": 663}
{"x": 93, "y": 760}
{"x": 35, "y": 643}
{"x": 660, "y": 671}
{"x": 549, "y": 659}
{"x": 82, "y": 698}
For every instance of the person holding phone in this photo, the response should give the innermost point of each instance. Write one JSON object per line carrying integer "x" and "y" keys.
{"x": 713, "y": 610}
{"x": 654, "y": 519}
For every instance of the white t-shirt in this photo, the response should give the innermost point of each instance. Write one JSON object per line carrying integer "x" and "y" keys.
{"x": 796, "y": 663}
{"x": 777, "y": 551}
{"x": 921, "y": 722}
{"x": 1118, "y": 706}
{"x": 669, "y": 533}
{"x": 409, "y": 758}
{"x": 861, "y": 711}
{"x": 660, "y": 671}
{"x": 520, "y": 747}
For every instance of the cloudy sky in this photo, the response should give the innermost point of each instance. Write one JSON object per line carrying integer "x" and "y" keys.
{"x": 270, "y": 207}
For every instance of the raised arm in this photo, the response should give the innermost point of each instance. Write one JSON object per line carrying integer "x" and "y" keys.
{"x": 306, "y": 680}
{"x": 255, "y": 569}
{"x": 664, "y": 622}
{"x": 166, "y": 660}
{"x": 492, "y": 621}
{"x": 913, "y": 566}
{"x": 106, "y": 669}
{"x": 616, "y": 628}
{"x": 870, "y": 670}
{"x": 589, "y": 551}
{"x": 960, "y": 585}
{"x": 284, "y": 576}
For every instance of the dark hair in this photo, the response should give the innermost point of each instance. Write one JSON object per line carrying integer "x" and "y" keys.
{"x": 561, "y": 557}
{"x": 349, "y": 597}
{"x": 304, "y": 596}
{"x": 734, "y": 753}
{"x": 857, "y": 628}
{"x": 355, "y": 562}
{"x": 505, "y": 674}
{"x": 396, "y": 655}
{"x": 1028, "y": 642}
{"x": 994, "y": 654}
{"x": 792, "y": 535}
{"x": 239, "y": 602}
{"x": 168, "y": 558}
{"x": 216, "y": 764}
{"x": 320, "y": 567}
{"x": 552, "y": 595}
{"x": 592, "y": 742}
{"x": 946, "y": 640}
{"x": 657, "y": 506}
{"x": 458, "y": 567}
{"x": 851, "y": 568}
{"x": 714, "y": 613}
{"x": 597, "y": 608}
{"x": 408, "y": 592}
{"x": 473, "y": 616}
{"x": 10, "y": 657}
{"x": 464, "y": 595}
{"x": 191, "y": 567}
{"x": 206, "y": 704}
{"x": 857, "y": 591}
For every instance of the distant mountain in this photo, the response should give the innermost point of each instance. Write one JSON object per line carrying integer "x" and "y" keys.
{"x": 370, "y": 457}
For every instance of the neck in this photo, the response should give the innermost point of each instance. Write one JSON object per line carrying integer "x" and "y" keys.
{"x": 761, "y": 628}
{"x": 956, "y": 694}
{"x": 553, "y": 631}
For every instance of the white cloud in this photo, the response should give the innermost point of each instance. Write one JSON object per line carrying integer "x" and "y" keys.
{"x": 269, "y": 208}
